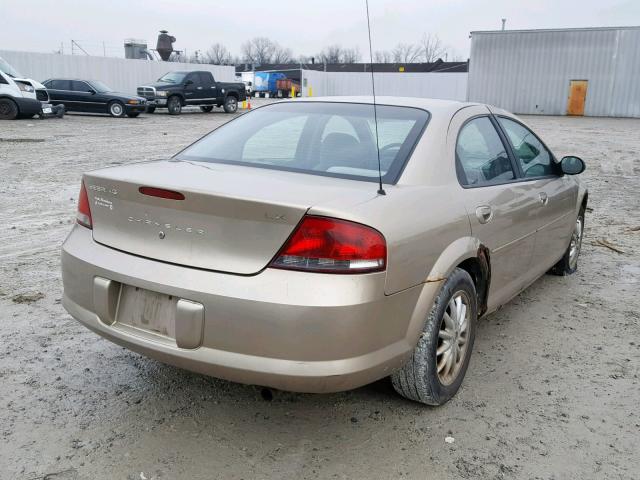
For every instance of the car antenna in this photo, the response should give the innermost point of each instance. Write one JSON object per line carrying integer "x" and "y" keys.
{"x": 375, "y": 109}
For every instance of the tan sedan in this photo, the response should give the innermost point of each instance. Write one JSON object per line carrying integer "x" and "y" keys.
{"x": 266, "y": 253}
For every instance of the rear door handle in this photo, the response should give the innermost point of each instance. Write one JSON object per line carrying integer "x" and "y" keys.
{"x": 484, "y": 213}
{"x": 543, "y": 198}
{"x": 199, "y": 88}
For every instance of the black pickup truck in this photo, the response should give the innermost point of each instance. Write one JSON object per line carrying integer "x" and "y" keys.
{"x": 175, "y": 90}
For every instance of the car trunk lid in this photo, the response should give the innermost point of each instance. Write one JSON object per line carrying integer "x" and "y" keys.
{"x": 231, "y": 218}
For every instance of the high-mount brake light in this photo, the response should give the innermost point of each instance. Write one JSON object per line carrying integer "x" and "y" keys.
{"x": 329, "y": 245}
{"x": 161, "y": 193}
{"x": 83, "y": 217}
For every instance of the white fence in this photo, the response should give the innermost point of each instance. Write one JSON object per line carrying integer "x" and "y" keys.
{"x": 121, "y": 74}
{"x": 446, "y": 86}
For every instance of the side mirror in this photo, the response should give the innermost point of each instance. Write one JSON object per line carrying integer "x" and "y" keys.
{"x": 188, "y": 82}
{"x": 92, "y": 92}
{"x": 572, "y": 165}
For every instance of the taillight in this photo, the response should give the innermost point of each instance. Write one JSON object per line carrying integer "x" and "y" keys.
{"x": 83, "y": 217}
{"x": 329, "y": 245}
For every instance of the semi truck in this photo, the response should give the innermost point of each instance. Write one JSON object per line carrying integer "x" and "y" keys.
{"x": 266, "y": 83}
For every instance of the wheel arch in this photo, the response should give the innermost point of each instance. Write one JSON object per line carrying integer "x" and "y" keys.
{"x": 9, "y": 97}
{"x": 471, "y": 255}
{"x": 584, "y": 200}
{"x": 179, "y": 95}
{"x": 12, "y": 100}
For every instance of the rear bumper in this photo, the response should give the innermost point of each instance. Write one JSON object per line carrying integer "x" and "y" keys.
{"x": 288, "y": 330}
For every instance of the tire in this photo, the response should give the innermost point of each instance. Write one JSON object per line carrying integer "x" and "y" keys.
{"x": 133, "y": 115}
{"x": 116, "y": 109}
{"x": 568, "y": 264}
{"x": 151, "y": 109}
{"x": 8, "y": 109}
{"x": 418, "y": 379}
{"x": 174, "y": 105}
{"x": 206, "y": 108}
{"x": 230, "y": 104}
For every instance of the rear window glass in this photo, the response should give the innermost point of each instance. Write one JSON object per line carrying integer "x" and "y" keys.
{"x": 331, "y": 139}
{"x": 59, "y": 84}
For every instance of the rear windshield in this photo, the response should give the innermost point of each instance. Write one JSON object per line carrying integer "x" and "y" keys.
{"x": 331, "y": 139}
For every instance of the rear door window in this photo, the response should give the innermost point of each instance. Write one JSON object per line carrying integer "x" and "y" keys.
{"x": 206, "y": 79}
{"x": 59, "y": 85}
{"x": 533, "y": 157}
{"x": 481, "y": 156}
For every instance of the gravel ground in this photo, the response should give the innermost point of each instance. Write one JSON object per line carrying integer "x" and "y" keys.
{"x": 552, "y": 391}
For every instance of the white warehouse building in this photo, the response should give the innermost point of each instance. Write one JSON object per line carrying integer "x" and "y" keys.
{"x": 579, "y": 71}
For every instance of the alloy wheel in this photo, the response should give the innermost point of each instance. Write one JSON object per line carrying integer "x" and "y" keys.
{"x": 116, "y": 109}
{"x": 453, "y": 338}
{"x": 576, "y": 243}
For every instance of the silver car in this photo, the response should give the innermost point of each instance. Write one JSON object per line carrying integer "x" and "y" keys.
{"x": 266, "y": 252}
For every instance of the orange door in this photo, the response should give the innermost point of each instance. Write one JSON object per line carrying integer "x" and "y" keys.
{"x": 577, "y": 97}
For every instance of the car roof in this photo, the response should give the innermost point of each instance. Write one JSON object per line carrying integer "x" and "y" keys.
{"x": 433, "y": 105}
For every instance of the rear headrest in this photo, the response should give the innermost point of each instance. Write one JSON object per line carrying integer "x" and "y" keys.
{"x": 341, "y": 149}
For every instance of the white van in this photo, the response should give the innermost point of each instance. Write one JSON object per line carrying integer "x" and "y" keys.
{"x": 17, "y": 96}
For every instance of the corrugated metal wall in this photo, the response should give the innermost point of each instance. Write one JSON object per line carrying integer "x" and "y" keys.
{"x": 449, "y": 86}
{"x": 529, "y": 71}
{"x": 120, "y": 74}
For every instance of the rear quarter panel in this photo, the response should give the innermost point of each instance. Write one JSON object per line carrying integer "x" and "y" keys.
{"x": 422, "y": 218}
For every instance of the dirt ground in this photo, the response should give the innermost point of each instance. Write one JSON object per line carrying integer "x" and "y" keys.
{"x": 552, "y": 391}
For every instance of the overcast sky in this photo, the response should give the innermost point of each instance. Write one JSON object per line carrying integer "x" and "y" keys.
{"x": 302, "y": 25}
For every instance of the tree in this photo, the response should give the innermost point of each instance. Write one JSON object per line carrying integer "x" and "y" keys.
{"x": 331, "y": 54}
{"x": 282, "y": 55}
{"x": 383, "y": 56}
{"x": 406, "y": 53}
{"x": 351, "y": 55}
{"x": 431, "y": 48}
{"x": 217, "y": 55}
{"x": 339, "y": 54}
{"x": 258, "y": 50}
